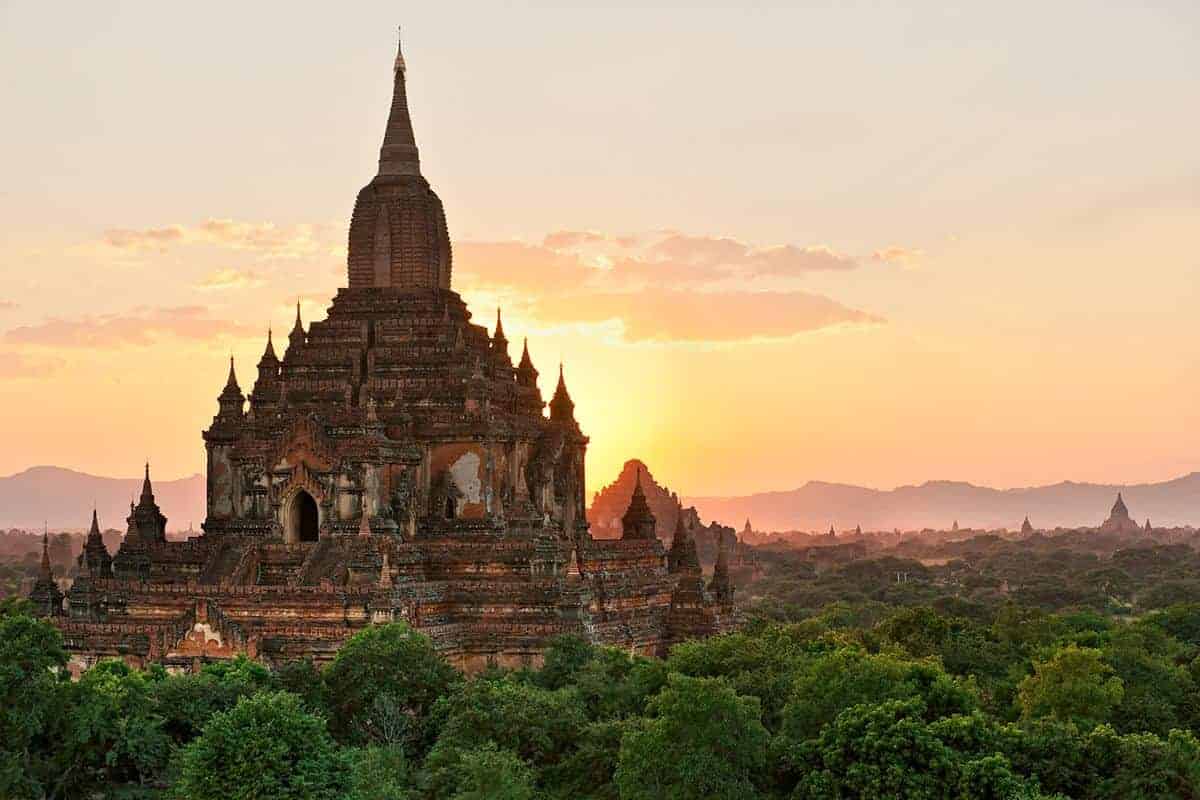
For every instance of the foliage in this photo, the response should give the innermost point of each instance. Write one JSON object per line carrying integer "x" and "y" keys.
{"x": 391, "y": 661}
{"x": 701, "y": 740}
{"x": 923, "y": 700}
{"x": 32, "y": 661}
{"x": 1075, "y": 685}
{"x": 267, "y": 747}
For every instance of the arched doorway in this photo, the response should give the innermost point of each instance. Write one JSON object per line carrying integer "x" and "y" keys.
{"x": 305, "y": 519}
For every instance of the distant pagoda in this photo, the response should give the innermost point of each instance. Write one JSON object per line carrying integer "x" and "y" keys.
{"x": 1120, "y": 520}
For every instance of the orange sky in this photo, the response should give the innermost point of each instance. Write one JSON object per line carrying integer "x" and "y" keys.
{"x": 923, "y": 245}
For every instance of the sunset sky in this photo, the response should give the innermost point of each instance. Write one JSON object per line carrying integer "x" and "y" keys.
{"x": 875, "y": 243}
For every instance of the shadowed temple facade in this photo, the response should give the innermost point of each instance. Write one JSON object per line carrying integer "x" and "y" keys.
{"x": 392, "y": 464}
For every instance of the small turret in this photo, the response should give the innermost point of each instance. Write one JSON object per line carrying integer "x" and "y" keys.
{"x": 638, "y": 521}
{"x": 297, "y": 337}
{"x": 45, "y": 595}
{"x": 721, "y": 585}
{"x": 527, "y": 375}
{"x": 1026, "y": 527}
{"x": 146, "y": 527}
{"x": 231, "y": 401}
{"x": 682, "y": 557}
{"x": 562, "y": 408}
{"x": 266, "y": 388}
{"x": 95, "y": 558}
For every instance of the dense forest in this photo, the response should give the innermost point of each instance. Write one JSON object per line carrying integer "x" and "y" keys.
{"x": 977, "y": 669}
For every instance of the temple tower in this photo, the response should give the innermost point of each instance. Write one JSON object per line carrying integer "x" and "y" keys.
{"x": 398, "y": 233}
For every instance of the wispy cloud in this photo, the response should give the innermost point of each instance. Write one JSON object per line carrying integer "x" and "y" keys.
{"x": 135, "y": 328}
{"x": 904, "y": 256}
{"x": 18, "y": 365}
{"x": 230, "y": 279}
{"x": 664, "y": 285}
{"x": 7, "y": 305}
{"x": 285, "y": 241}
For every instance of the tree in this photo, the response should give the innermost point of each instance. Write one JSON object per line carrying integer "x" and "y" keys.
{"x": 1143, "y": 766}
{"x": 844, "y": 678}
{"x": 32, "y": 681}
{"x": 540, "y": 726}
{"x": 587, "y": 772}
{"x": 565, "y": 655}
{"x": 890, "y": 750}
{"x": 1073, "y": 686}
{"x": 762, "y": 664}
{"x": 115, "y": 730}
{"x": 265, "y": 748}
{"x": 381, "y": 773}
{"x": 187, "y": 701}
{"x": 386, "y": 660}
{"x": 701, "y": 740}
{"x": 491, "y": 773}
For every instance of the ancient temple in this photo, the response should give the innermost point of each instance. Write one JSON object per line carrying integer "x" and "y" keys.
{"x": 393, "y": 464}
{"x": 1119, "y": 520}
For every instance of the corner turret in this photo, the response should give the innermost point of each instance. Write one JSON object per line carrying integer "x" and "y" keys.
{"x": 638, "y": 521}
{"x": 45, "y": 595}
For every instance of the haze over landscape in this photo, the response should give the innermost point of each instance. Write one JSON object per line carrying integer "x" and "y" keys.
{"x": 949, "y": 263}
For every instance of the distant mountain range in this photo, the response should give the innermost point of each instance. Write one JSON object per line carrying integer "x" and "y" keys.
{"x": 938, "y": 504}
{"x": 63, "y": 498}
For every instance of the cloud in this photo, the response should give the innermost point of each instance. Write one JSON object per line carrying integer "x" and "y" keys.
{"x": 673, "y": 315}
{"x": 291, "y": 241}
{"x": 136, "y": 328}
{"x": 17, "y": 365}
{"x": 663, "y": 285}
{"x": 7, "y": 305}
{"x": 230, "y": 279}
{"x": 905, "y": 256}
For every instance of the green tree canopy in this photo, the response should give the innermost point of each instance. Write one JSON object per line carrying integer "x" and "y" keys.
{"x": 701, "y": 740}
{"x": 393, "y": 662}
{"x": 1075, "y": 685}
{"x": 264, "y": 748}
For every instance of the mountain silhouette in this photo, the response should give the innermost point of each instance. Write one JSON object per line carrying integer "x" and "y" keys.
{"x": 937, "y": 504}
{"x": 63, "y": 499}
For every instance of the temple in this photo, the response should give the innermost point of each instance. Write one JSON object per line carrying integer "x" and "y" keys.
{"x": 393, "y": 464}
{"x": 1120, "y": 521}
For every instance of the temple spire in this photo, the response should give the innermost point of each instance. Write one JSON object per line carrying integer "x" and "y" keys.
{"x": 46, "y": 572}
{"x": 269, "y": 353}
{"x": 231, "y": 384}
{"x": 398, "y": 155}
{"x": 297, "y": 336}
{"x": 562, "y": 408}
{"x": 147, "y": 489}
{"x": 526, "y": 373}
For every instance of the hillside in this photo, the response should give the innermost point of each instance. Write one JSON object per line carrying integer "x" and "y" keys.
{"x": 63, "y": 498}
{"x": 938, "y": 504}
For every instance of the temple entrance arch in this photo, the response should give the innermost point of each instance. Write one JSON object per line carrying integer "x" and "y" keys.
{"x": 303, "y": 519}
